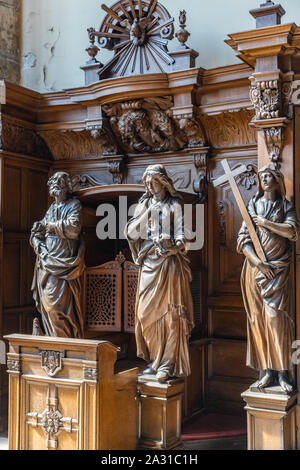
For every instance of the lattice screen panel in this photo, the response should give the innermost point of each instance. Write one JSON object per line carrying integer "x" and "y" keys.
{"x": 130, "y": 276}
{"x": 103, "y": 287}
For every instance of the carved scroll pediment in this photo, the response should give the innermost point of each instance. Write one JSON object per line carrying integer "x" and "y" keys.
{"x": 83, "y": 182}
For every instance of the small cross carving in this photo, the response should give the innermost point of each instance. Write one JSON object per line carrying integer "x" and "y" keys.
{"x": 51, "y": 420}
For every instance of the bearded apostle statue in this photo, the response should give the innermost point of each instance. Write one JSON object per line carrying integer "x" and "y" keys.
{"x": 164, "y": 306}
{"x": 59, "y": 262}
{"x": 266, "y": 286}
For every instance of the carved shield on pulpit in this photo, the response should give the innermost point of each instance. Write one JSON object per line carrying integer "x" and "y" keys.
{"x": 51, "y": 362}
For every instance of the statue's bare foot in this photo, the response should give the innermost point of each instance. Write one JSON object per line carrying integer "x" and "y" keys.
{"x": 284, "y": 383}
{"x": 266, "y": 380}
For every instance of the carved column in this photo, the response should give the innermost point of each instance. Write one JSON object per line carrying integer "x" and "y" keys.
{"x": 10, "y": 14}
{"x": 271, "y": 52}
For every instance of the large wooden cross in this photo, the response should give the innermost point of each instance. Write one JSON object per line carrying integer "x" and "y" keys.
{"x": 229, "y": 176}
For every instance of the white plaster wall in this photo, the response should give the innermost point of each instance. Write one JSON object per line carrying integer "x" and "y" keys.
{"x": 54, "y": 35}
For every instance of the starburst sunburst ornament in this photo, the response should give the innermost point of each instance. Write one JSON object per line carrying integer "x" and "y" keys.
{"x": 138, "y": 32}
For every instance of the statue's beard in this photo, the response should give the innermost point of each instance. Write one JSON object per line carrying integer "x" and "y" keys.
{"x": 55, "y": 192}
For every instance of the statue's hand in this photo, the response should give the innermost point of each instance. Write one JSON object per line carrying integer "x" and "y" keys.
{"x": 38, "y": 229}
{"x": 267, "y": 269}
{"x": 51, "y": 227}
{"x": 180, "y": 245}
{"x": 259, "y": 221}
{"x": 171, "y": 251}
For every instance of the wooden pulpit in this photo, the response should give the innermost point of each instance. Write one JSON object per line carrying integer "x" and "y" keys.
{"x": 65, "y": 395}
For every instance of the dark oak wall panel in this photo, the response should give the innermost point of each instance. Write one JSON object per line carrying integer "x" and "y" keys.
{"x": 228, "y": 374}
{"x": 12, "y": 274}
{"x": 12, "y": 198}
{"x": 227, "y": 323}
{"x": 38, "y": 196}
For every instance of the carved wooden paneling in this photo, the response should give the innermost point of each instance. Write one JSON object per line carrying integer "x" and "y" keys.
{"x": 225, "y": 223}
{"x": 71, "y": 145}
{"x": 225, "y": 394}
{"x": 103, "y": 305}
{"x": 196, "y": 384}
{"x": 229, "y": 359}
{"x": 196, "y": 292}
{"x": 24, "y": 192}
{"x": 130, "y": 280}
{"x": 21, "y": 139}
{"x": 230, "y": 128}
{"x": 12, "y": 193}
{"x": 226, "y": 315}
{"x": 227, "y": 322}
{"x": 37, "y": 198}
{"x": 12, "y": 277}
{"x": 49, "y": 410}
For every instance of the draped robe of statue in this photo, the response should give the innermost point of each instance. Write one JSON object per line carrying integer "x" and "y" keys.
{"x": 267, "y": 302}
{"x": 164, "y": 306}
{"x": 59, "y": 265}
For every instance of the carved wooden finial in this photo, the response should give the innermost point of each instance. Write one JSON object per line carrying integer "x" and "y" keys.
{"x": 268, "y": 14}
{"x": 92, "y": 49}
{"x": 120, "y": 258}
{"x": 182, "y": 34}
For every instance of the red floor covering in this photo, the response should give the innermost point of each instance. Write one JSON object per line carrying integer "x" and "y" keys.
{"x": 214, "y": 426}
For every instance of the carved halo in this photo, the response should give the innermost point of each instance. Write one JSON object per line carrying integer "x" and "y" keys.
{"x": 138, "y": 32}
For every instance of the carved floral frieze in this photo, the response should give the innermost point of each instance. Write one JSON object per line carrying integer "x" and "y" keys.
{"x": 75, "y": 145}
{"x": 13, "y": 365}
{"x": 145, "y": 126}
{"x": 229, "y": 129}
{"x": 17, "y": 139}
{"x": 271, "y": 99}
{"x": 265, "y": 97}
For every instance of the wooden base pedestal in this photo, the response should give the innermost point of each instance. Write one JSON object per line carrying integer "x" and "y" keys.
{"x": 65, "y": 395}
{"x": 160, "y": 410}
{"x": 271, "y": 419}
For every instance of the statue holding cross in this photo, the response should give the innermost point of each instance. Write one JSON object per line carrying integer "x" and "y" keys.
{"x": 269, "y": 228}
